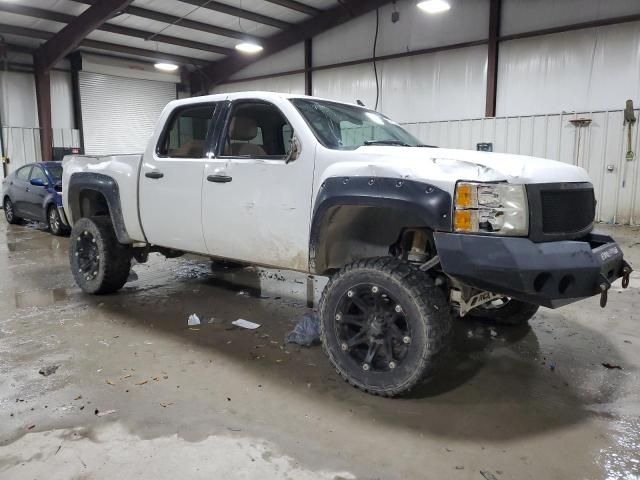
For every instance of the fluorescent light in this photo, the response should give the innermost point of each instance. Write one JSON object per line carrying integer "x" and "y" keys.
{"x": 434, "y": 6}
{"x": 167, "y": 67}
{"x": 249, "y": 47}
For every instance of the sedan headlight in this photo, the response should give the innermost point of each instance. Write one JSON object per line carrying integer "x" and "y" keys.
{"x": 491, "y": 208}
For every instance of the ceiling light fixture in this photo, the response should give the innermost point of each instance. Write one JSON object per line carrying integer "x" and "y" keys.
{"x": 434, "y": 6}
{"x": 166, "y": 67}
{"x": 249, "y": 47}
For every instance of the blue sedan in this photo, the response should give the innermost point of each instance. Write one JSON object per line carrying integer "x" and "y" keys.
{"x": 34, "y": 192}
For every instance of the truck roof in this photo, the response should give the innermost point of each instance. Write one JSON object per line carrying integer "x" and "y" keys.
{"x": 257, "y": 94}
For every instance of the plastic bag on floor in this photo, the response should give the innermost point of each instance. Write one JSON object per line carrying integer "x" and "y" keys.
{"x": 306, "y": 331}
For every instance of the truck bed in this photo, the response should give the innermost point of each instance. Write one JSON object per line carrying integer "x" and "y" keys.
{"x": 123, "y": 169}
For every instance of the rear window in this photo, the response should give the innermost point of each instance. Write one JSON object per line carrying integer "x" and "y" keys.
{"x": 23, "y": 173}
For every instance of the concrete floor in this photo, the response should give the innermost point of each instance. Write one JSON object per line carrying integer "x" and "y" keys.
{"x": 221, "y": 402}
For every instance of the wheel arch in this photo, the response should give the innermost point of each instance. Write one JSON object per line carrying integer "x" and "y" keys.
{"x": 95, "y": 194}
{"x": 361, "y": 217}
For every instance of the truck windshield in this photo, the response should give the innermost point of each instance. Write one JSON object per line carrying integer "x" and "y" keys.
{"x": 346, "y": 127}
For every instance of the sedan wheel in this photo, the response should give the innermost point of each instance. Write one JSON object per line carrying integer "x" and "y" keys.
{"x": 9, "y": 212}
{"x": 54, "y": 221}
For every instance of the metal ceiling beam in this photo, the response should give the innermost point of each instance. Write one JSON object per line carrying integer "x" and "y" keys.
{"x": 298, "y": 6}
{"x": 11, "y": 47}
{"x": 239, "y": 12}
{"x": 217, "y": 72}
{"x": 182, "y": 22}
{"x": 133, "y": 32}
{"x": 67, "y": 39}
{"x": 112, "y": 28}
{"x": 112, "y": 47}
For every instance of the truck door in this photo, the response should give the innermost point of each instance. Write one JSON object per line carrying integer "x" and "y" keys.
{"x": 171, "y": 180}
{"x": 256, "y": 206}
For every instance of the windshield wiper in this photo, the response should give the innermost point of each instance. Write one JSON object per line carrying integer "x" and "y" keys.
{"x": 426, "y": 146}
{"x": 386, "y": 142}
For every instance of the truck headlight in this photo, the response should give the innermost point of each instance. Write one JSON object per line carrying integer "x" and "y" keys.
{"x": 491, "y": 208}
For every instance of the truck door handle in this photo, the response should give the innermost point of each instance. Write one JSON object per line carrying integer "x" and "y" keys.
{"x": 154, "y": 175}
{"x": 219, "y": 178}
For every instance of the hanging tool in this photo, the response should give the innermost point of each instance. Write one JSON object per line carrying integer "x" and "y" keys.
{"x": 629, "y": 121}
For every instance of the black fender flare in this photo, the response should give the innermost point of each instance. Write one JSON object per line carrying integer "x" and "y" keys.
{"x": 429, "y": 203}
{"x": 104, "y": 185}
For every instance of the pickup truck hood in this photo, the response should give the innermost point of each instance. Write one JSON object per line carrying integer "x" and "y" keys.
{"x": 442, "y": 167}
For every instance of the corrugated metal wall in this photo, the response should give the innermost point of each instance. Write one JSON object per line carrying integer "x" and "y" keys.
{"x": 22, "y": 145}
{"x": 599, "y": 147}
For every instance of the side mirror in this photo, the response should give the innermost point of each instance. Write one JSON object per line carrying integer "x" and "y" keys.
{"x": 294, "y": 149}
{"x": 37, "y": 182}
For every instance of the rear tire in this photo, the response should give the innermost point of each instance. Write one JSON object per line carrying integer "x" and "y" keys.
{"x": 55, "y": 222}
{"x": 10, "y": 213}
{"x": 383, "y": 325}
{"x": 99, "y": 263}
{"x": 512, "y": 312}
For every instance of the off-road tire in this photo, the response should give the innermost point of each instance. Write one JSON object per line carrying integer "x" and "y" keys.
{"x": 114, "y": 261}
{"x": 426, "y": 309}
{"x": 54, "y": 222}
{"x": 513, "y": 313}
{"x": 9, "y": 213}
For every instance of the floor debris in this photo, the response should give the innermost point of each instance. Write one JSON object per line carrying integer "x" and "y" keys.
{"x": 193, "y": 320}
{"x": 488, "y": 475}
{"x": 245, "y": 324}
{"x": 306, "y": 332}
{"x": 105, "y": 413}
{"x": 611, "y": 366}
{"x": 48, "y": 370}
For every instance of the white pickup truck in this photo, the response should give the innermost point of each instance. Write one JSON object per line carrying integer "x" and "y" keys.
{"x": 411, "y": 236}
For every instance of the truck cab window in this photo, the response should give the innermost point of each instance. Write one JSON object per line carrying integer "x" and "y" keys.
{"x": 187, "y": 132}
{"x": 257, "y": 130}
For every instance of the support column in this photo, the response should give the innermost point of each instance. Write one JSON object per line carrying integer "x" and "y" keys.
{"x": 308, "y": 64}
{"x": 76, "y": 66}
{"x": 43, "y": 97}
{"x": 492, "y": 63}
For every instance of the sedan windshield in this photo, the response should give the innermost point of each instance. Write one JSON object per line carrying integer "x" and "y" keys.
{"x": 56, "y": 172}
{"x": 346, "y": 127}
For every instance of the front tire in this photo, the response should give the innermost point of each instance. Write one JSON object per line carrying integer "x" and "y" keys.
{"x": 383, "y": 324}
{"x": 504, "y": 311}
{"x": 55, "y": 222}
{"x": 10, "y": 212}
{"x": 99, "y": 263}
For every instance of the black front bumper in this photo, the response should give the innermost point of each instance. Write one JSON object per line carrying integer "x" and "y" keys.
{"x": 550, "y": 274}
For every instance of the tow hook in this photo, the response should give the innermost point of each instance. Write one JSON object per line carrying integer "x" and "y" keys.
{"x": 604, "y": 286}
{"x": 626, "y": 273}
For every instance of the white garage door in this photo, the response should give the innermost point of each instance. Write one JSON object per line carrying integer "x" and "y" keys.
{"x": 118, "y": 113}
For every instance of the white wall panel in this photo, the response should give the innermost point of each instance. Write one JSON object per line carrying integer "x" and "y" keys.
{"x": 592, "y": 69}
{"x": 600, "y": 148}
{"x": 61, "y": 100}
{"x": 466, "y": 21}
{"x": 290, "y": 59}
{"x": 437, "y": 86}
{"x": 284, "y": 84}
{"x": 18, "y": 100}
{"x": 527, "y": 15}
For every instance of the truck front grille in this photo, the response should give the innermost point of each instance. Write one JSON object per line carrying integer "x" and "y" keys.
{"x": 567, "y": 211}
{"x": 560, "y": 211}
